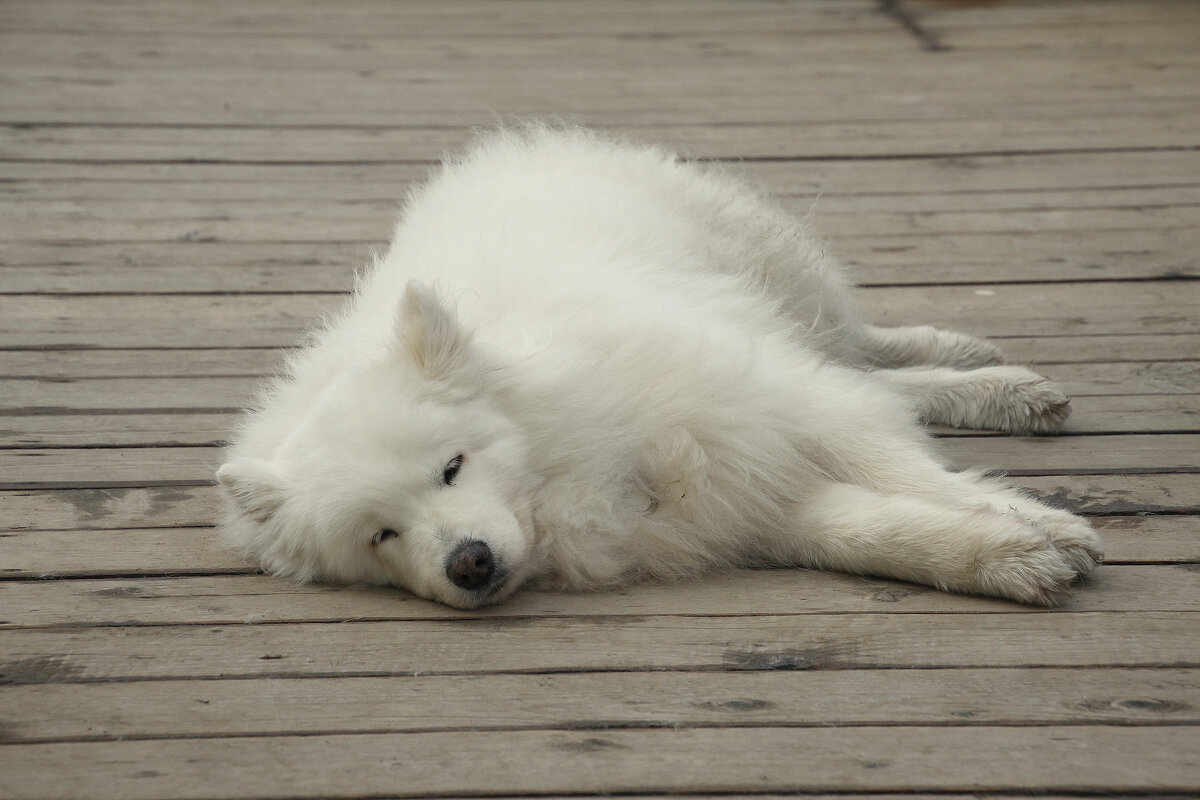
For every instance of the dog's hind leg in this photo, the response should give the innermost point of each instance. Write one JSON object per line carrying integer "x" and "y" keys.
{"x": 993, "y": 543}
{"x": 924, "y": 346}
{"x": 1007, "y": 398}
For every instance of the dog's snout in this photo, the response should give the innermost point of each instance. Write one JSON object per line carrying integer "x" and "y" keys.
{"x": 471, "y": 565}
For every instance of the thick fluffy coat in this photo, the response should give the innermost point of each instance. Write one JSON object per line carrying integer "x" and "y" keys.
{"x": 582, "y": 363}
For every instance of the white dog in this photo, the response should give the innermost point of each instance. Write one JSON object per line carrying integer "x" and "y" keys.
{"x": 582, "y": 364}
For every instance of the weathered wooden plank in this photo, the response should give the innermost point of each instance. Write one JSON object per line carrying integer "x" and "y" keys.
{"x": 198, "y": 550}
{"x": 124, "y": 430}
{"x": 1152, "y": 307}
{"x": 286, "y": 57}
{"x": 1032, "y": 257}
{"x": 323, "y": 162}
{"x": 93, "y": 552}
{"x": 86, "y": 321}
{"x": 178, "y": 267}
{"x": 318, "y": 221}
{"x": 836, "y": 213}
{"x": 152, "y": 551}
{"x": 116, "y": 466}
{"x": 960, "y": 697}
{"x": 492, "y": 59}
{"x": 1127, "y": 378}
{"x": 62, "y": 427}
{"x": 469, "y": 18}
{"x": 1117, "y": 494}
{"x": 286, "y": 60}
{"x": 1076, "y": 348}
{"x": 1111, "y": 25}
{"x": 665, "y": 90}
{"x": 174, "y": 267}
{"x": 149, "y": 466}
{"x": 306, "y": 50}
{"x": 1089, "y": 352}
{"x": 1133, "y": 414}
{"x": 992, "y": 201}
{"x": 209, "y": 180}
{"x": 472, "y": 645}
{"x": 374, "y": 151}
{"x": 1132, "y": 35}
{"x": 129, "y": 394}
{"x": 135, "y": 267}
{"x": 1141, "y": 538}
{"x": 220, "y": 379}
{"x": 1089, "y": 759}
{"x": 1084, "y": 454}
{"x": 153, "y": 390}
{"x": 236, "y": 599}
{"x": 200, "y": 362}
{"x": 197, "y": 506}
{"x": 1014, "y": 19}
{"x": 155, "y": 506}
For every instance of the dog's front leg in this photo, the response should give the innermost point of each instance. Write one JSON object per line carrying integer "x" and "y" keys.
{"x": 975, "y": 548}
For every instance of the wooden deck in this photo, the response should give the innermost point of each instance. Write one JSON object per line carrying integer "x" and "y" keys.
{"x": 185, "y": 186}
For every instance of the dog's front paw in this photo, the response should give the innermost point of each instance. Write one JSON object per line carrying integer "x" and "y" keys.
{"x": 1031, "y": 572}
{"x": 1039, "y": 565}
{"x": 1074, "y": 538}
{"x": 1048, "y": 549}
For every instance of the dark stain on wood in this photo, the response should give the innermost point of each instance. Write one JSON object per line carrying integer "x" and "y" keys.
{"x": 785, "y": 659}
{"x": 736, "y": 706}
{"x": 41, "y": 669}
{"x": 91, "y": 503}
{"x": 591, "y": 744}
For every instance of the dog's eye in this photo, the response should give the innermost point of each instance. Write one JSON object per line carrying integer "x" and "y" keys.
{"x": 451, "y": 470}
{"x": 383, "y": 535}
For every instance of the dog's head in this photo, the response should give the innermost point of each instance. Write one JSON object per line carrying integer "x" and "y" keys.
{"x": 402, "y": 473}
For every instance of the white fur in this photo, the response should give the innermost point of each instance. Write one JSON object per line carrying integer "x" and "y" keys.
{"x": 651, "y": 371}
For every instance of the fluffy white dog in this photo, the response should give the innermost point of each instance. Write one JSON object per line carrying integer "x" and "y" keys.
{"x": 582, "y": 364}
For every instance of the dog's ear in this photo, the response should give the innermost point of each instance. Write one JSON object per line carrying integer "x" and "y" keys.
{"x": 255, "y": 487}
{"x": 430, "y": 333}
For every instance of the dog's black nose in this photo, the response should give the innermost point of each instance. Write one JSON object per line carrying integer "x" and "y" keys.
{"x": 470, "y": 565}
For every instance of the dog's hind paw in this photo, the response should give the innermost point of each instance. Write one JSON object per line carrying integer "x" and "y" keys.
{"x": 966, "y": 352}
